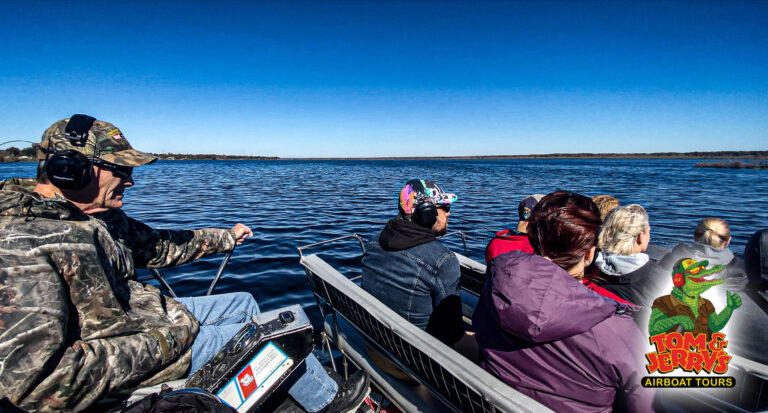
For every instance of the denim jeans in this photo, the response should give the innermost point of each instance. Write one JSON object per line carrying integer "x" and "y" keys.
{"x": 223, "y": 315}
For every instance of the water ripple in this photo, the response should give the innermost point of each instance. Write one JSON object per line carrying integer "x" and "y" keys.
{"x": 293, "y": 203}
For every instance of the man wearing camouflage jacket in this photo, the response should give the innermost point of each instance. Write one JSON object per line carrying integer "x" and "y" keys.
{"x": 74, "y": 323}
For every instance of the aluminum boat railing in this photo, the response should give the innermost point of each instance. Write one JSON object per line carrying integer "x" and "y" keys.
{"x": 434, "y": 364}
{"x": 460, "y": 384}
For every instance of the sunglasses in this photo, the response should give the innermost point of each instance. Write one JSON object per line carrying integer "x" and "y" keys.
{"x": 445, "y": 207}
{"x": 122, "y": 172}
{"x": 694, "y": 271}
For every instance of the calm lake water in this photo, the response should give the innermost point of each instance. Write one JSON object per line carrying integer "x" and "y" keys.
{"x": 294, "y": 203}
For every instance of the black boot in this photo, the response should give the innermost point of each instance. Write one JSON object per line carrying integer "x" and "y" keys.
{"x": 351, "y": 393}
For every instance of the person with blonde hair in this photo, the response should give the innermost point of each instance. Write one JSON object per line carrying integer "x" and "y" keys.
{"x": 627, "y": 231}
{"x": 714, "y": 232}
{"x": 711, "y": 240}
{"x": 605, "y": 203}
{"x": 626, "y": 270}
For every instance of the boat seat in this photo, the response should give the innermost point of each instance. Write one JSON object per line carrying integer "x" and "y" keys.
{"x": 409, "y": 397}
{"x": 472, "y": 275}
{"x": 448, "y": 381}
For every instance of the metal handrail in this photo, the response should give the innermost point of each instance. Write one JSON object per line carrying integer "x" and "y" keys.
{"x": 400, "y": 330}
{"x": 160, "y": 277}
{"x": 355, "y": 236}
{"x": 463, "y": 239}
{"x": 157, "y": 275}
{"x": 317, "y": 299}
{"x": 219, "y": 272}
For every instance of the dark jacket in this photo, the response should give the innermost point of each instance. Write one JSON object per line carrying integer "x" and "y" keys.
{"x": 756, "y": 260}
{"x": 747, "y": 329}
{"x": 640, "y": 286}
{"x": 545, "y": 334}
{"x": 417, "y": 277}
{"x": 603, "y": 292}
{"x": 506, "y": 241}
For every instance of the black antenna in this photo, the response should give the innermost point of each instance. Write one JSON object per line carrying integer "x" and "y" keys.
{"x": 77, "y": 128}
{"x": 18, "y": 140}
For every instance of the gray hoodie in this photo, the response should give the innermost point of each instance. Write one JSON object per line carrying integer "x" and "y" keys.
{"x": 733, "y": 273}
{"x": 617, "y": 264}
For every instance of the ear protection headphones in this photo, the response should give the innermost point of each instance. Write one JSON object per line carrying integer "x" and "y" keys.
{"x": 425, "y": 213}
{"x": 678, "y": 280}
{"x": 71, "y": 169}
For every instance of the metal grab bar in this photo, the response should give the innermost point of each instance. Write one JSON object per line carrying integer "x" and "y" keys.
{"x": 157, "y": 275}
{"x": 160, "y": 278}
{"x": 325, "y": 339}
{"x": 456, "y": 381}
{"x": 463, "y": 239}
{"x": 355, "y": 236}
{"x": 218, "y": 273}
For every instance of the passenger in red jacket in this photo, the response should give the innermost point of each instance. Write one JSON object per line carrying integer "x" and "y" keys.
{"x": 514, "y": 240}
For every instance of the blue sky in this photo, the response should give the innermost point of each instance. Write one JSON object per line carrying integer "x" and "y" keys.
{"x": 350, "y": 79}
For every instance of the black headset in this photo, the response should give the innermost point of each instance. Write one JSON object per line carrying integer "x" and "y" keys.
{"x": 425, "y": 213}
{"x": 71, "y": 169}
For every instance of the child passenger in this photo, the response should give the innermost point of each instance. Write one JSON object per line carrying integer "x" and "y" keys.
{"x": 545, "y": 334}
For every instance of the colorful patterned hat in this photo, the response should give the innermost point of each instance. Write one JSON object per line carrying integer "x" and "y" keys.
{"x": 105, "y": 141}
{"x": 418, "y": 191}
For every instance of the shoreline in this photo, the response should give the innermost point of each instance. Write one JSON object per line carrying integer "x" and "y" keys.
{"x": 720, "y": 155}
{"x": 763, "y": 155}
{"x": 751, "y": 155}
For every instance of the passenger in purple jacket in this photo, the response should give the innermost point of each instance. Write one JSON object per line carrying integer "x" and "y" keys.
{"x": 545, "y": 334}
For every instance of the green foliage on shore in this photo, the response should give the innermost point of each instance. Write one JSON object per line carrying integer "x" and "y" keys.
{"x": 14, "y": 154}
{"x": 733, "y": 165}
{"x": 757, "y": 155}
{"x": 180, "y": 156}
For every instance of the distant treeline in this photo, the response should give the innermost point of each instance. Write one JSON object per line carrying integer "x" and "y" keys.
{"x": 732, "y": 165}
{"x": 14, "y": 154}
{"x": 652, "y": 155}
{"x": 181, "y": 156}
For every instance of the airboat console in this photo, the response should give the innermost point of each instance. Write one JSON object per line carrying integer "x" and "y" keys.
{"x": 257, "y": 359}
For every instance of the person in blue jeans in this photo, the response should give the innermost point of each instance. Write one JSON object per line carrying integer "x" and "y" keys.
{"x": 90, "y": 327}
{"x": 407, "y": 269}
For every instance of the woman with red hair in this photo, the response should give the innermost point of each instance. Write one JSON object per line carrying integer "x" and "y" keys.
{"x": 544, "y": 333}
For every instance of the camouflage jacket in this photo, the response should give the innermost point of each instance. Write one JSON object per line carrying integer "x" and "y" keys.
{"x": 74, "y": 325}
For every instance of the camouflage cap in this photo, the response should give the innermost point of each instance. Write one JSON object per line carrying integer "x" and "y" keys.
{"x": 105, "y": 141}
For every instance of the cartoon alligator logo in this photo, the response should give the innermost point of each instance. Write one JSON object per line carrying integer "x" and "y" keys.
{"x": 685, "y": 308}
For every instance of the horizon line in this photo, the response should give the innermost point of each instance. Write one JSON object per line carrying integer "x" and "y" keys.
{"x": 754, "y": 154}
